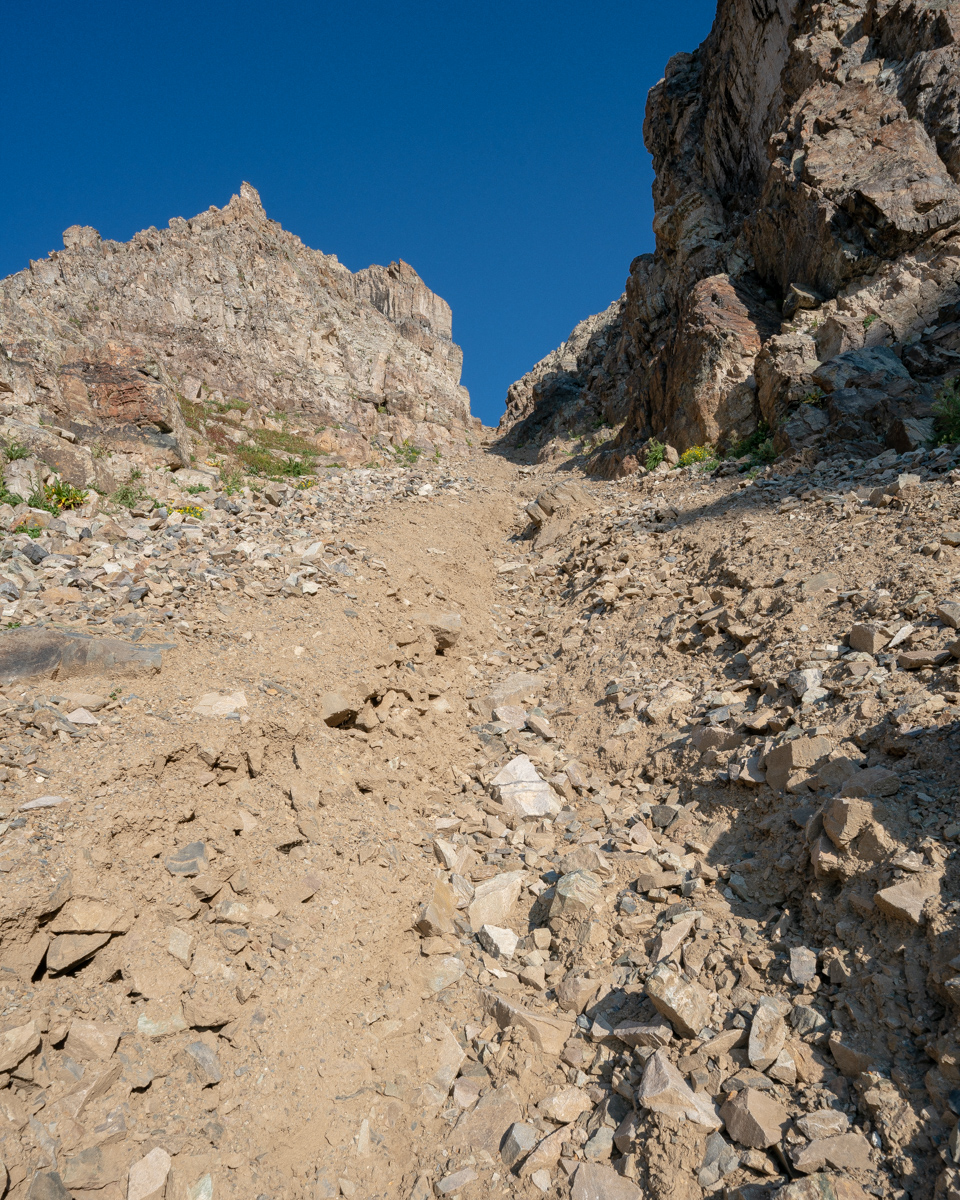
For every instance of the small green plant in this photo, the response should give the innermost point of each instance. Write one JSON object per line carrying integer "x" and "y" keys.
{"x": 697, "y": 454}
{"x": 758, "y": 445}
{"x": 469, "y": 443}
{"x": 128, "y": 496}
{"x": 231, "y": 481}
{"x": 814, "y": 398}
{"x": 407, "y": 454}
{"x": 765, "y": 452}
{"x": 136, "y": 474}
{"x": 190, "y": 510}
{"x": 869, "y": 320}
{"x": 946, "y": 411}
{"x": 436, "y": 454}
{"x": 98, "y": 449}
{"x": 381, "y": 408}
{"x": 16, "y": 450}
{"x": 13, "y": 624}
{"x": 196, "y": 488}
{"x": 656, "y": 453}
{"x": 295, "y": 468}
{"x": 63, "y": 495}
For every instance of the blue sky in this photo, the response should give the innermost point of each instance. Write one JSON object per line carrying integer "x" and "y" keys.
{"x": 495, "y": 146}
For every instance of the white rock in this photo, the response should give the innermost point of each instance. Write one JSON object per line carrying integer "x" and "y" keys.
{"x": 499, "y": 942}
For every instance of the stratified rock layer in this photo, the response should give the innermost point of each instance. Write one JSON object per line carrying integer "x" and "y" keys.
{"x": 807, "y": 207}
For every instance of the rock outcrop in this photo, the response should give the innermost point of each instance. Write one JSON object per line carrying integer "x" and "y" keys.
{"x": 806, "y": 207}
{"x": 212, "y": 330}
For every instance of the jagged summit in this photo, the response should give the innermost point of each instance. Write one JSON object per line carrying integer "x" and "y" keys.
{"x": 226, "y": 308}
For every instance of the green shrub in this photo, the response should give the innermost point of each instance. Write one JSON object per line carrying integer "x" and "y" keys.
{"x": 697, "y": 454}
{"x": 656, "y": 453}
{"x": 196, "y": 488}
{"x": 231, "y": 481}
{"x": 758, "y": 446}
{"x": 128, "y": 495}
{"x": 64, "y": 495}
{"x": 16, "y": 450}
{"x": 407, "y": 454}
{"x": 946, "y": 410}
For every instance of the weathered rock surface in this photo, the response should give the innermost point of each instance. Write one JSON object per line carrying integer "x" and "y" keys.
{"x": 141, "y": 347}
{"x": 806, "y": 211}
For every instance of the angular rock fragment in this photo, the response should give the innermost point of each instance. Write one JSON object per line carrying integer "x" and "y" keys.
{"x": 17, "y": 1043}
{"x": 576, "y": 894}
{"x": 768, "y": 1032}
{"x": 493, "y": 899}
{"x": 548, "y": 1032}
{"x": 48, "y": 654}
{"x": 499, "y": 942}
{"x": 92, "y": 1039}
{"x": 663, "y": 1089}
{"x": 148, "y": 1176}
{"x": 484, "y": 1127}
{"x": 518, "y": 1143}
{"x": 803, "y": 965}
{"x": 844, "y": 1152}
{"x": 188, "y": 860}
{"x": 565, "y": 1105}
{"x": 685, "y": 1004}
{"x": 69, "y": 949}
{"x": 754, "y": 1119}
{"x": 80, "y": 915}
{"x": 593, "y": 1181}
{"x": 905, "y": 901}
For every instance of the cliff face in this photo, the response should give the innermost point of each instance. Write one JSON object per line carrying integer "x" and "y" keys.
{"x": 806, "y": 207}
{"x": 230, "y": 313}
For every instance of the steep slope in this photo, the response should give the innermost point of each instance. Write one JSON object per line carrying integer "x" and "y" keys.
{"x": 806, "y": 207}
{"x": 127, "y": 345}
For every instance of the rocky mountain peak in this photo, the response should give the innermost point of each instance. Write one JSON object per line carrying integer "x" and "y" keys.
{"x": 155, "y": 348}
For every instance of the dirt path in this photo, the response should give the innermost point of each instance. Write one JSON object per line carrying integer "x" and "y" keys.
{"x": 586, "y": 824}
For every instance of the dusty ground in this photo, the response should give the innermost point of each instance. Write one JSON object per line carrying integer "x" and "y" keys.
{"x": 301, "y": 1006}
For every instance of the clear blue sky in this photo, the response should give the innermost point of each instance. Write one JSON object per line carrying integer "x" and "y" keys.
{"x": 495, "y": 146}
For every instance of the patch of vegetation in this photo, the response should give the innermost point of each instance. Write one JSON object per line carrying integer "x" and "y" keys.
{"x": 196, "y": 488}
{"x": 16, "y": 450}
{"x": 231, "y": 481}
{"x": 258, "y": 461}
{"x": 232, "y": 405}
{"x": 7, "y": 497}
{"x": 193, "y": 411}
{"x": 758, "y": 446}
{"x": 294, "y": 468}
{"x": 128, "y": 495}
{"x": 815, "y": 398}
{"x": 699, "y": 454}
{"x": 869, "y": 320}
{"x": 63, "y": 495}
{"x": 190, "y": 510}
{"x": 946, "y": 410}
{"x": 406, "y": 454}
{"x": 13, "y": 624}
{"x": 656, "y": 453}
